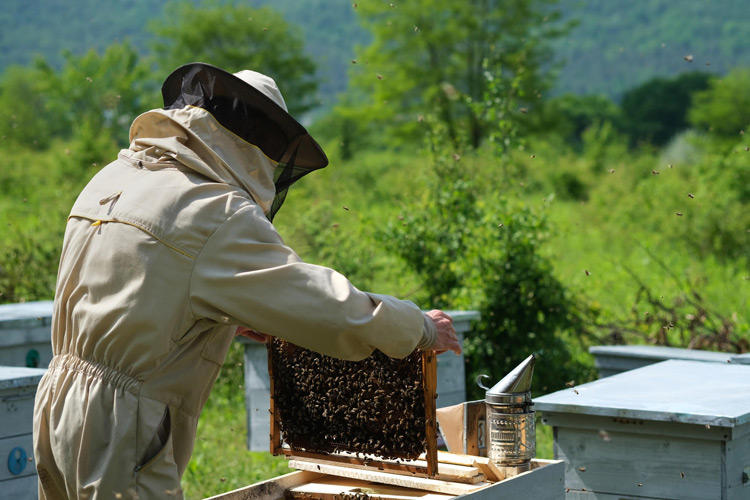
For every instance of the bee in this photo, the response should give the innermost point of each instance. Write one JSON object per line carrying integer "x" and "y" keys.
{"x": 691, "y": 195}
{"x": 588, "y": 273}
{"x": 654, "y": 172}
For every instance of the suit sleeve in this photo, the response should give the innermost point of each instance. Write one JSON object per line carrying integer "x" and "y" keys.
{"x": 246, "y": 275}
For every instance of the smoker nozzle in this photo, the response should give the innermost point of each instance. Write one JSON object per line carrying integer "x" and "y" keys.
{"x": 518, "y": 380}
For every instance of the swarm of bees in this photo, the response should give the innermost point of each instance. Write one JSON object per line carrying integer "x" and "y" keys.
{"x": 325, "y": 405}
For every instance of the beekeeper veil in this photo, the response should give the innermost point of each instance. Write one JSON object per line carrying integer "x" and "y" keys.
{"x": 250, "y": 105}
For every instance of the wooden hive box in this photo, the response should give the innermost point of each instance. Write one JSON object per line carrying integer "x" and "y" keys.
{"x": 543, "y": 482}
{"x": 672, "y": 430}
{"x": 18, "y": 479}
{"x": 25, "y": 334}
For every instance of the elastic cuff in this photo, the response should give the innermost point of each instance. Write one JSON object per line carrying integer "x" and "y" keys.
{"x": 429, "y": 334}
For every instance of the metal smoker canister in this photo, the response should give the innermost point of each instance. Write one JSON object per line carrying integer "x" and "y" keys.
{"x": 510, "y": 420}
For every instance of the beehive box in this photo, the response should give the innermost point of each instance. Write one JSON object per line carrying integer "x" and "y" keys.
{"x": 18, "y": 478}
{"x": 672, "y": 430}
{"x": 543, "y": 482}
{"x": 613, "y": 359}
{"x": 25, "y": 334}
{"x": 353, "y": 411}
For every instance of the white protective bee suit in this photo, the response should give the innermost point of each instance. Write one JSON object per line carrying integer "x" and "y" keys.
{"x": 167, "y": 250}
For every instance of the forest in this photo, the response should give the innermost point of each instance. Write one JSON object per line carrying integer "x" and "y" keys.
{"x": 478, "y": 160}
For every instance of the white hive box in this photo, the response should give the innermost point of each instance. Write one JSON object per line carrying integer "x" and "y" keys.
{"x": 613, "y": 359}
{"x": 671, "y": 430}
{"x": 18, "y": 478}
{"x": 450, "y": 383}
{"x": 25, "y": 334}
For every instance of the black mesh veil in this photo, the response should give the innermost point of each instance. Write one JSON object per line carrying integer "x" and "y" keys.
{"x": 251, "y": 115}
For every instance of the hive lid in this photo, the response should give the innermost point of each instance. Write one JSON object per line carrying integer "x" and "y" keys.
{"x": 518, "y": 380}
{"x": 692, "y": 392}
{"x": 12, "y": 377}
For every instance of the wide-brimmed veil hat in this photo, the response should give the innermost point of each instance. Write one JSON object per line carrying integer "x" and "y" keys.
{"x": 250, "y": 105}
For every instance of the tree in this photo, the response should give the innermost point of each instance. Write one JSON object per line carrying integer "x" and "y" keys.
{"x": 724, "y": 108}
{"x": 26, "y": 120}
{"x": 432, "y": 55}
{"x": 236, "y": 38}
{"x": 98, "y": 93}
{"x": 656, "y": 110}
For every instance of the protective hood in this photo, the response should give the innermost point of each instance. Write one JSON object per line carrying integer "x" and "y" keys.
{"x": 250, "y": 105}
{"x": 193, "y": 137}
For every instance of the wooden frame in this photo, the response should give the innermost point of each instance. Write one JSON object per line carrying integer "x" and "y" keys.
{"x": 429, "y": 382}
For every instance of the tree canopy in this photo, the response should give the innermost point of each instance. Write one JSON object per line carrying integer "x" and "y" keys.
{"x": 236, "y": 38}
{"x": 434, "y": 56}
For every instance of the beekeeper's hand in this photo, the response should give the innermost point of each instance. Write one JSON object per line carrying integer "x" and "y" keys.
{"x": 446, "y": 335}
{"x": 252, "y": 334}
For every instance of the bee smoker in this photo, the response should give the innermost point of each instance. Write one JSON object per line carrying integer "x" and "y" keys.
{"x": 511, "y": 430}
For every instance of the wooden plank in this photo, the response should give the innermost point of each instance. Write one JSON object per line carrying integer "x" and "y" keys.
{"x": 475, "y": 428}
{"x": 638, "y": 426}
{"x": 420, "y": 483}
{"x": 271, "y": 489}
{"x": 23, "y": 488}
{"x": 415, "y": 468}
{"x": 738, "y": 468}
{"x": 484, "y": 464}
{"x": 336, "y": 488}
{"x": 275, "y": 432}
{"x": 540, "y": 483}
{"x": 429, "y": 374}
{"x": 634, "y": 464}
{"x": 7, "y": 445}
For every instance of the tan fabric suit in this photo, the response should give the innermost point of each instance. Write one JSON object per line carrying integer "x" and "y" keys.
{"x": 166, "y": 250}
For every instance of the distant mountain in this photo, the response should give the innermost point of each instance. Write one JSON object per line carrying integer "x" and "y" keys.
{"x": 616, "y": 45}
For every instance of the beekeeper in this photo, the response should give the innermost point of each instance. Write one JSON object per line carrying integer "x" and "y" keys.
{"x": 167, "y": 251}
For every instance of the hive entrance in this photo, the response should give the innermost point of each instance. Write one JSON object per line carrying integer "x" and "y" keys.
{"x": 367, "y": 411}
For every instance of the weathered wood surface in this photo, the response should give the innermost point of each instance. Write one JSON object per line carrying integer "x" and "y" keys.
{"x": 336, "y": 488}
{"x": 420, "y": 483}
{"x": 637, "y": 426}
{"x": 738, "y": 468}
{"x": 631, "y": 464}
{"x": 429, "y": 382}
{"x": 275, "y": 430}
{"x": 23, "y": 488}
{"x": 16, "y": 377}
{"x": 6, "y": 445}
{"x": 271, "y": 489}
{"x": 27, "y": 314}
{"x": 671, "y": 391}
{"x": 413, "y": 468}
{"x": 545, "y": 481}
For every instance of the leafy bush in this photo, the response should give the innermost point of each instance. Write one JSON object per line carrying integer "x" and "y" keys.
{"x": 657, "y": 110}
{"x": 474, "y": 248}
{"x": 724, "y": 108}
